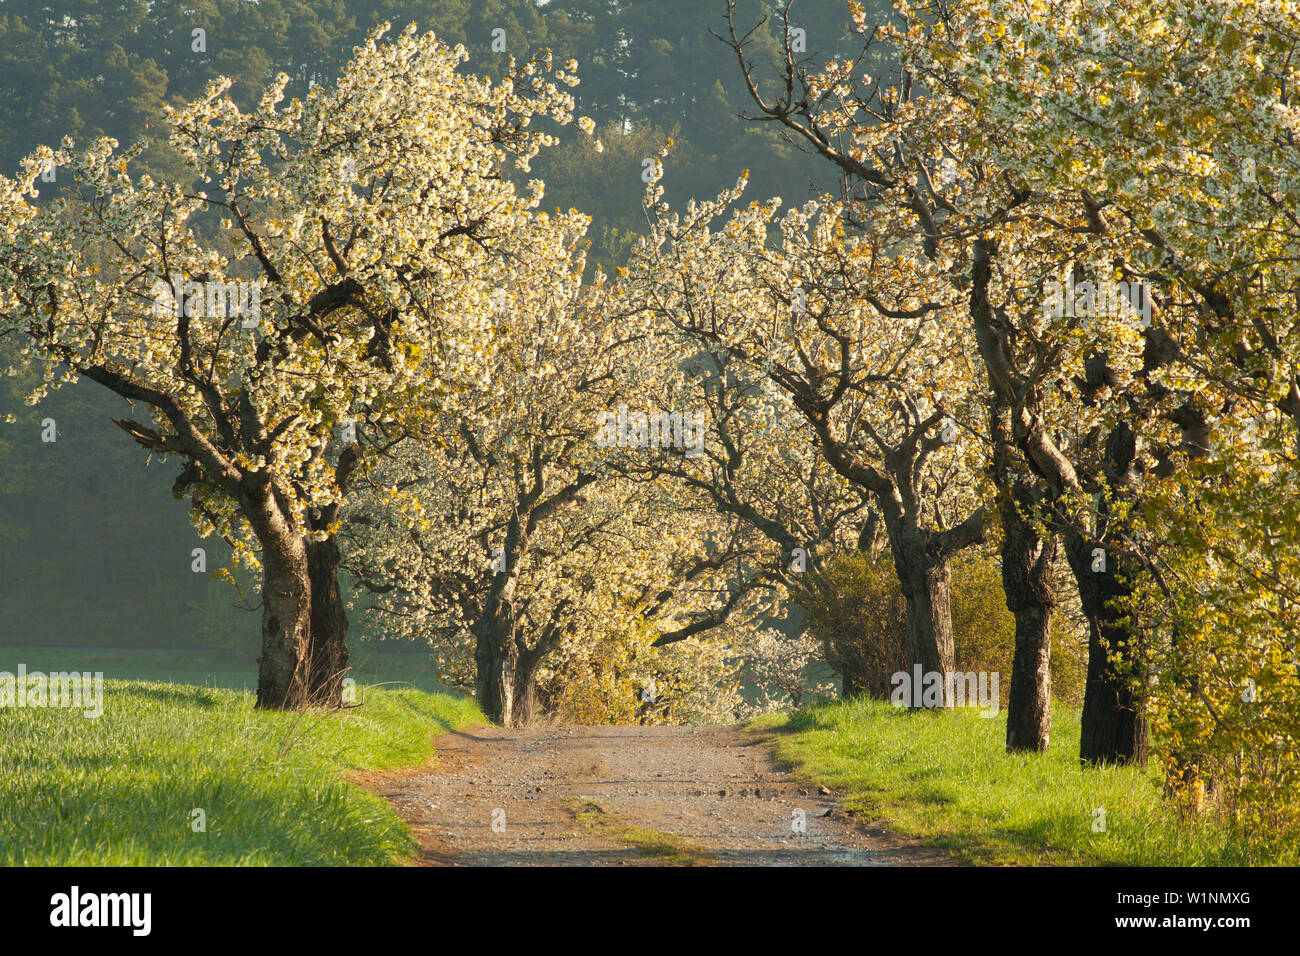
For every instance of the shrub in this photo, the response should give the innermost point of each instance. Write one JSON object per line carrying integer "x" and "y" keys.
{"x": 855, "y": 607}
{"x": 618, "y": 676}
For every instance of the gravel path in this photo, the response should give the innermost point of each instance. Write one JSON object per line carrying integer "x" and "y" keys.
{"x": 626, "y": 796}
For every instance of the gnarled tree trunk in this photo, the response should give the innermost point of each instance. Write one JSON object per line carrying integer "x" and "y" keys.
{"x": 327, "y": 663}
{"x": 506, "y": 679}
{"x": 328, "y": 649}
{"x": 506, "y": 673}
{"x": 1027, "y": 584}
{"x": 926, "y": 582}
{"x": 282, "y": 679}
{"x": 1113, "y": 729}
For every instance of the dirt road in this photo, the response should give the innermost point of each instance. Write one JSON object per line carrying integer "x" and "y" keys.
{"x": 626, "y": 796}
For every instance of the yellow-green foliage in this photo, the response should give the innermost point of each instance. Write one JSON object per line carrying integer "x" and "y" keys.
{"x": 617, "y": 676}
{"x": 855, "y": 607}
{"x": 1225, "y": 701}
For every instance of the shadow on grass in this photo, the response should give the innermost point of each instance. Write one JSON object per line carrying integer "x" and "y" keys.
{"x": 247, "y": 818}
{"x": 934, "y": 796}
{"x": 173, "y": 694}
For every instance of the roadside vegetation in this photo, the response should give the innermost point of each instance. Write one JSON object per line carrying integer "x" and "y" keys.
{"x": 944, "y": 778}
{"x": 173, "y": 774}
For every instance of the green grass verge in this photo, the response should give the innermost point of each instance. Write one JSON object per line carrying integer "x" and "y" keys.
{"x": 946, "y": 778}
{"x": 121, "y": 789}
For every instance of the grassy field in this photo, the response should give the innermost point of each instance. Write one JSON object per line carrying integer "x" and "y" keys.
{"x": 213, "y": 668}
{"x": 947, "y": 779}
{"x": 123, "y": 789}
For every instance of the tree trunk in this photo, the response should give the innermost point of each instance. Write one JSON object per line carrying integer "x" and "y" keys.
{"x": 1027, "y": 583}
{"x": 506, "y": 678}
{"x": 282, "y": 672}
{"x": 852, "y": 684}
{"x": 328, "y": 650}
{"x": 926, "y": 584}
{"x": 506, "y": 673}
{"x": 1113, "y": 730}
{"x": 282, "y": 676}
